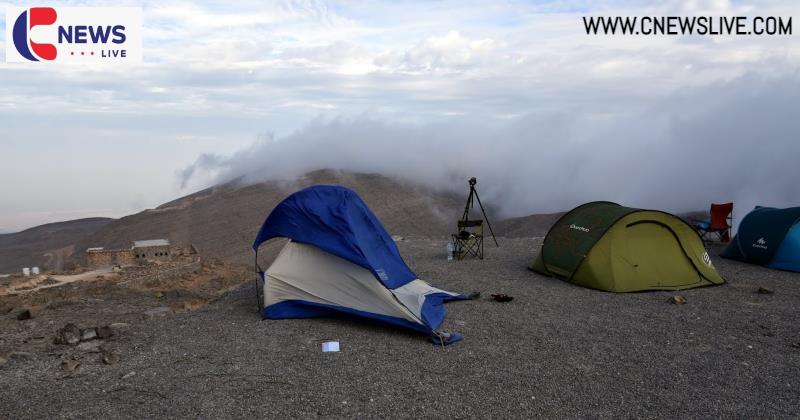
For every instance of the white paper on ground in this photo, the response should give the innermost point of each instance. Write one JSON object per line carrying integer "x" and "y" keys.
{"x": 330, "y": 346}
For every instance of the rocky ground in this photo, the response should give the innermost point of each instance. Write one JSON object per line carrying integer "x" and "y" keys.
{"x": 556, "y": 350}
{"x": 30, "y": 318}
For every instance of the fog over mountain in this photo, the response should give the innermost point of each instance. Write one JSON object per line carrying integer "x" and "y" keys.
{"x": 732, "y": 141}
{"x": 514, "y": 92}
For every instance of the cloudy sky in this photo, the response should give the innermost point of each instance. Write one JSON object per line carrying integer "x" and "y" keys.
{"x": 551, "y": 117}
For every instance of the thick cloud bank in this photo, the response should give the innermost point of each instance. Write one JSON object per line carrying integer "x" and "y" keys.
{"x": 734, "y": 141}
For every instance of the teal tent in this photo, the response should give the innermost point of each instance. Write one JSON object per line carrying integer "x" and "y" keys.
{"x": 770, "y": 237}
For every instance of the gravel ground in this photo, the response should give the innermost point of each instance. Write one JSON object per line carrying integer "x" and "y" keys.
{"x": 557, "y": 350}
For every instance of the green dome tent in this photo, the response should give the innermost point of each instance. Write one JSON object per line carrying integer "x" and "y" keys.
{"x": 603, "y": 245}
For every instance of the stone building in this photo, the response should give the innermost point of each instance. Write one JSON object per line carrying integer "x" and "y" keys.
{"x": 152, "y": 250}
{"x": 101, "y": 257}
{"x": 139, "y": 252}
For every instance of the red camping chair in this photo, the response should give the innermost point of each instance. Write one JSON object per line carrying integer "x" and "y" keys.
{"x": 720, "y": 223}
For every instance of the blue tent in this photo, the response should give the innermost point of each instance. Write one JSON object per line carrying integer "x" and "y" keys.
{"x": 770, "y": 237}
{"x": 341, "y": 260}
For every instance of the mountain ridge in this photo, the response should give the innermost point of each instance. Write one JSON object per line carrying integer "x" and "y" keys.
{"x": 221, "y": 221}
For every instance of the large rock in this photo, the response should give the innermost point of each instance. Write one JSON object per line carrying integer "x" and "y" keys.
{"x": 89, "y": 346}
{"x": 104, "y": 332}
{"x": 88, "y": 334}
{"x": 69, "y": 335}
{"x": 116, "y": 326}
{"x": 24, "y": 315}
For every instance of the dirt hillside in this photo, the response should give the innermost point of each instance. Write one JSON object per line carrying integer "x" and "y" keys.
{"x": 527, "y": 226}
{"x": 222, "y": 221}
{"x": 45, "y": 246}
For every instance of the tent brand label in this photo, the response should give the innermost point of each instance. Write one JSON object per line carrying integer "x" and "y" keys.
{"x": 74, "y": 35}
{"x": 760, "y": 243}
{"x": 707, "y": 259}
{"x": 580, "y": 228}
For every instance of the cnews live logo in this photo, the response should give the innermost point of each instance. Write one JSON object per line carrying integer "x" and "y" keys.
{"x": 74, "y": 34}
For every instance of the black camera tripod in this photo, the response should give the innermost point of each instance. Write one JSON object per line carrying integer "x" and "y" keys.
{"x": 473, "y": 195}
{"x": 470, "y": 243}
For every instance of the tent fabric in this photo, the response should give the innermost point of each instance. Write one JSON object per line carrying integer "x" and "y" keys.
{"x": 336, "y": 220}
{"x": 605, "y": 246}
{"x": 340, "y": 259}
{"x": 788, "y": 255}
{"x": 768, "y": 236}
{"x": 575, "y": 234}
{"x": 305, "y": 281}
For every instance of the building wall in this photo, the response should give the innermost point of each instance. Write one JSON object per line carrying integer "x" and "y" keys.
{"x": 152, "y": 253}
{"x": 109, "y": 257}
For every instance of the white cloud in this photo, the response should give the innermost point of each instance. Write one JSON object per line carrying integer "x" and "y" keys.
{"x": 451, "y": 52}
{"x": 224, "y": 73}
{"x": 679, "y": 153}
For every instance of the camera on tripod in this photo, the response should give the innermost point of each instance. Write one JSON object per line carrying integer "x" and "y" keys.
{"x": 468, "y": 242}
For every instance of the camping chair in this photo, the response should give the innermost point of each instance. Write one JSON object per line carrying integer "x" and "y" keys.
{"x": 719, "y": 224}
{"x": 468, "y": 242}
